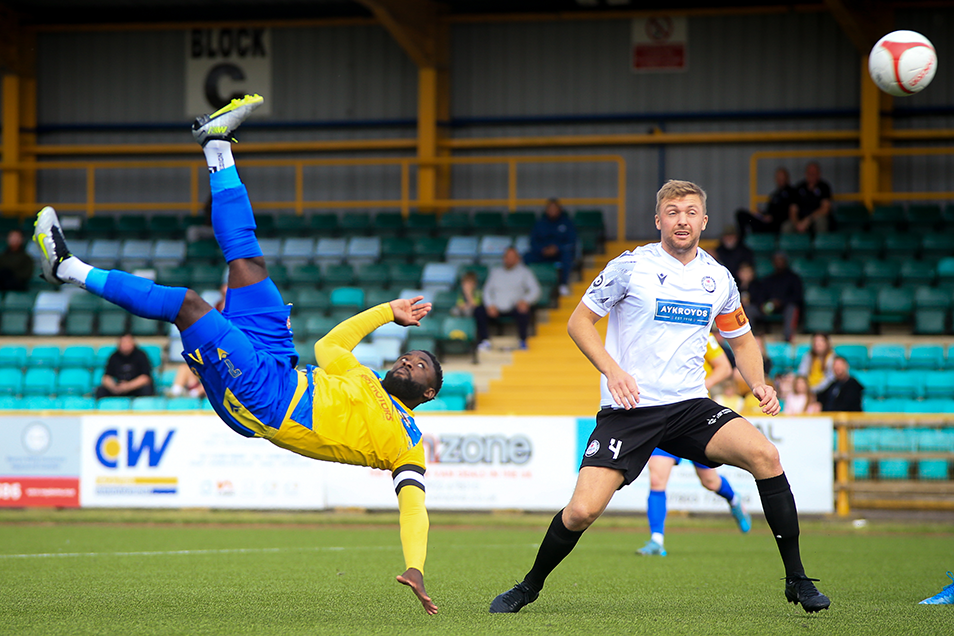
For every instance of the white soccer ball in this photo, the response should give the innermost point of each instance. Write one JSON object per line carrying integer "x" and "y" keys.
{"x": 902, "y": 63}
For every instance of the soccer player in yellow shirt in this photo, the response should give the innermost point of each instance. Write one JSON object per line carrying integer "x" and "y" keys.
{"x": 339, "y": 410}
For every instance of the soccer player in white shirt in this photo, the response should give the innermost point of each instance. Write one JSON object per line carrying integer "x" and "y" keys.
{"x": 661, "y": 301}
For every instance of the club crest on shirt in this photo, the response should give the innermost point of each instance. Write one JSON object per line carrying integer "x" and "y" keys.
{"x": 592, "y": 449}
{"x": 708, "y": 284}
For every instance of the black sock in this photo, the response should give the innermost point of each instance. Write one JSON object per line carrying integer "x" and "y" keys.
{"x": 778, "y": 505}
{"x": 558, "y": 542}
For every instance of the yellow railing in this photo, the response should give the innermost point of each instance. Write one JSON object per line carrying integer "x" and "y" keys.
{"x": 920, "y": 494}
{"x": 868, "y": 198}
{"x": 197, "y": 170}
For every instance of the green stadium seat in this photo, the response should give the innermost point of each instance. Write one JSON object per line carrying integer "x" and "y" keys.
{"x": 830, "y": 246}
{"x": 458, "y": 335}
{"x": 851, "y": 217}
{"x": 855, "y": 354}
{"x": 44, "y": 356}
{"x": 184, "y": 403}
{"x": 428, "y": 249}
{"x": 420, "y": 224}
{"x": 454, "y": 223}
{"x": 888, "y": 218}
{"x": 489, "y": 222}
{"x": 945, "y": 272}
{"x": 102, "y": 226}
{"x": 278, "y": 272}
{"x": 306, "y": 353}
{"x": 925, "y": 215}
{"x": 304, "y": 276}
{"x": 14, "y": 323}
{"x": 902, "y": 246}
{"x": 878, "y": 273}
{"x": 11, "y": 381}
{"x": 904, "y": 384}
{"x": 149, "y": 403}
{"x": 405, "y": 276}
{"x": 817, "y": 297}
{"x": 318, "y": 326}
{"x": 388, "y": 223}
{"x": 337, "y": 275}
{"x": 932, "y": 469}
{"x": 812, "y": 272}
{"x": 206, "y": 277}
{"x": 13, "y": 356}
{"x": 762, "y": 244}
{"x": 887, "y": 356}
{"x": 164, "y": 226}
{"x": 39, "y": 381}
{"x": 521, "y": 223}
{"x": 355, "y": 222}
{"x": 845, "y": 272}
{"x": 140, "y": 326}
{"x": 873, "y": 381}
{"x": 858, "y": 297}
{"x": 917, "y": 273}
{"x": 312, "y": 301}
{"x": 323, "y": 224}
{"x": 205, "y": 250}
{"x": 347, "y": 299}
{"x": 936, "y": 245}
{"x": 372, "y": 275}
{"x": 77, "y": 403}
{"x": 820, "y": 319}
{"x": 288, "y": 225}
{"x": 857, "y": 320}
{"x": 374, "y": 296}
{"x": 18, "y": 301}
{"x": 74, "y": 381}
{"x": 866, "y": 245}
{"x": 113, "y": 322}
{"x": 926, "y": 356}
{"x": 938, "y": 384}
{"x": 174, "y": 275}
{"x": 894, "y": 306}
{"x": 894, "y": 468}
{"x": 795, "y": 245}
{"x": 116, "y": 403}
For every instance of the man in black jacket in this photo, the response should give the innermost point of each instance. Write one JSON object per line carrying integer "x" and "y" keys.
{"x": 844, "y": 394}
{"x": 780, "y": 294}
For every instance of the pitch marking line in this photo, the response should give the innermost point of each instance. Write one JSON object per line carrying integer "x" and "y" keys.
{"x": 55, "y": 555}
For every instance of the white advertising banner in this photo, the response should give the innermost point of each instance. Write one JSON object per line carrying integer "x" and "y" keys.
{"x": 477, "y": 463}
{"x": 804, "y": 446}
{"x": 163, "y": 461}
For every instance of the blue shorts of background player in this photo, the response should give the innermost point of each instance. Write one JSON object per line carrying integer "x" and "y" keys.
{"x": 660, "y": 465}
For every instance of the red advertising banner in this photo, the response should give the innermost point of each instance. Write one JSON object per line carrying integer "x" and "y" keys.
{"x": 33, "y": 492}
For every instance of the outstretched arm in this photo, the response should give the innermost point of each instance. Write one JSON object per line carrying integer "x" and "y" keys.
{"x": 414, "y": 527}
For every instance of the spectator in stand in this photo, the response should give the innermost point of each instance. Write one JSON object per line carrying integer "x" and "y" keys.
{"x": 510, "y": 290}
{"x": 732, "y": 251}
{"x": 811, "y": 210}
{"x": 818, "y": 363}
{"x": 779, "y": 293}
{"x": 553, "y": 240}
{"x": 800, "y": 400}
{"x": 128, "y": 371}
{"x": 468, "y": 296}
{"x": 748, "y": 286}
{"x": 776, "y": 212}
{"x": 186, "y": 383}
{"x": 844, "y": 393}
{"x": 16, "y": 266}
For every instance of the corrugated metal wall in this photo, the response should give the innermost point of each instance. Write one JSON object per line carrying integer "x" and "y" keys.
{"x": 797, "y": 61}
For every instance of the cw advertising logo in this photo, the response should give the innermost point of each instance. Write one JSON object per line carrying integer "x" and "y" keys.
{"x": 109, "y": 450}
{"x": 112, "y": 452}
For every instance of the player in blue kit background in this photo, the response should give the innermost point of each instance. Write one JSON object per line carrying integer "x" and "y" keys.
{"x": 339, "y": 411}
{"x": 662, "y": 300}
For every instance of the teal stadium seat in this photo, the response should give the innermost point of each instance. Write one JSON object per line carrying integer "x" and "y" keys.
{"x": 873, "y": 381}
{"x": 893, "y": 469}
{"x": 114, "y": 404}
{"x": 855, "y": 354}
{"x": 887, "y": 356}
{"x": 938, "y": 384}
{"x": 74, "y": 382}
{"x": 904, "y": 384}
{"x": 11, "y": 381}
{"x": 926, "y": 356}
{"x": 39, "y": 381}
{"x": 42, "y": 403}
{"x": 13, "y": 356}
{"x": 149, "y": 403}
{"x": 78, "y": 403}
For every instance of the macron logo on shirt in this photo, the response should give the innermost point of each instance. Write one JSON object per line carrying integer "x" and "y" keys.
{"x": 682, "y": 313}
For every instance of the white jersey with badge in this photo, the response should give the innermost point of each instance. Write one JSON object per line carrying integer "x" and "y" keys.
{"x": 660, "y": 314}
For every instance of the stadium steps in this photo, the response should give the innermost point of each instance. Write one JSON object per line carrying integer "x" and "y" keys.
{"x": 551, "y": 377}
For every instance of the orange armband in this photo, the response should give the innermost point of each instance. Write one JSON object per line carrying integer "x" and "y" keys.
{"x": 732, "y": 322}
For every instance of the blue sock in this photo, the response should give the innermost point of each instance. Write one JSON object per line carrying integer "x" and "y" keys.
{"x": 656, "y": 511}
{"x": 139, "y": 296}
{"x": 725, "y": 490}
{"x": 232, "y": 219}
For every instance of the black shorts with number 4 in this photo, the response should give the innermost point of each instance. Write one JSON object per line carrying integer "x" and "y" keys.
{"x": 624, "y": 439}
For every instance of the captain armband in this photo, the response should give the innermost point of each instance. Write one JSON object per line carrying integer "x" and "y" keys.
{"x": 408, "y": 475}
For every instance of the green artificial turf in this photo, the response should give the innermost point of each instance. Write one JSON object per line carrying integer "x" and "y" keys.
{"x": 200, "y": 572}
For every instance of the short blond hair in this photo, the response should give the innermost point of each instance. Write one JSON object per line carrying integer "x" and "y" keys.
{"x": 675, "y": 189}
